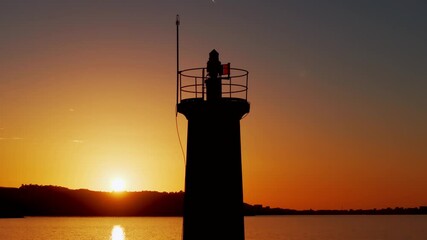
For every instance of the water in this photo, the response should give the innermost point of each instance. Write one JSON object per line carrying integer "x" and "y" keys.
{"x": 393, "y": 227}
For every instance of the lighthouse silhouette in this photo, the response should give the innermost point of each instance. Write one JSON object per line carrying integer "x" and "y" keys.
{"x": 214, "y": 100}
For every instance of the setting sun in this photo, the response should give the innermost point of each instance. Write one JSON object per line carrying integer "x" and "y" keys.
{"x": 118, "y": 185}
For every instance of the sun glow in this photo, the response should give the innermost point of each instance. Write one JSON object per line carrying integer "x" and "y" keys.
{"x": 118, "y": 185}
{"x": 118, "y": 233}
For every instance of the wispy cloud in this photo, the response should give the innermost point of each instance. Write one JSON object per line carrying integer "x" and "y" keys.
{"x": 13, "y": 138}
{"x": 77, "y": 141}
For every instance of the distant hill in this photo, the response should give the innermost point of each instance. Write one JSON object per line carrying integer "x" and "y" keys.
{"x": 36, "y": 200}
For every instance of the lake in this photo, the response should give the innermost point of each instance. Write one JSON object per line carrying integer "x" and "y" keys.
{"x": 349, "y": 227}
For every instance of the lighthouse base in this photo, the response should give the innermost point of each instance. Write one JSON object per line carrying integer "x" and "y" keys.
{"x": 213, "y": 200}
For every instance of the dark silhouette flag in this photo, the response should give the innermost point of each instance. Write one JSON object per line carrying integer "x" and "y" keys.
{"x": 226, "y": 69}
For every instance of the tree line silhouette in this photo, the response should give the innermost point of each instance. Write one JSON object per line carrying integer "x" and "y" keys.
{"x": 35, "y": 200}
{"x": 38, "y": 200}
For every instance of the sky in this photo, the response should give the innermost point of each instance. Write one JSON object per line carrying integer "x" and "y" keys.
{"x": 337, "y": 92}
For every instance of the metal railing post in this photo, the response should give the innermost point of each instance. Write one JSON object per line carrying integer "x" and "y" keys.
{"x": 180, "y": 89}
{"x": 229, "y": 84}
{"x": 203, "y": 83}
{"x": 247, "y": 76}
{"x": 195, "y": 86}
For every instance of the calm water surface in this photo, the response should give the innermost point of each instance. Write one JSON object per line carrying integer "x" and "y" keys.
{"x": 403, "y": 227}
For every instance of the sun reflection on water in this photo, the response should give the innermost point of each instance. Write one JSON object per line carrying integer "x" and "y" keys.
{"x": 118, "y": 233}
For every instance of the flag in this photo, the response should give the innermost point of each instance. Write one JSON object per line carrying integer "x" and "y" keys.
{"x": 226, "y": 69}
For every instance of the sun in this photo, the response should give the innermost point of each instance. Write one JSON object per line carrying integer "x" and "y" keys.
{"x": 118, "y": 185}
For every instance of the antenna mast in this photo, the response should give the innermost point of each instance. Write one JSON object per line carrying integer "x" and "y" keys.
{"x": 177, "y": 59}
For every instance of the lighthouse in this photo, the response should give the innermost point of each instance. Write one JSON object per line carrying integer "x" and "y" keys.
{"x": 214, "y": 100}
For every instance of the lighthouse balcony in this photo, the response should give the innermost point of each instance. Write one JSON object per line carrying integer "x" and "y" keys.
{"x": 191, "y": 86}
{"x": 231, "y": 101}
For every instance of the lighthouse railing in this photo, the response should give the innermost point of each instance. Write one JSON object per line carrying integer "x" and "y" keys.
{"x": 192, "y": 84}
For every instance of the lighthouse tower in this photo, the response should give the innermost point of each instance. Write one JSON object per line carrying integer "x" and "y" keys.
{"x": 214, "y": 100}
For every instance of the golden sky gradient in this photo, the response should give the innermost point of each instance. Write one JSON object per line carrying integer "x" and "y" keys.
{"x": 337, "y": 92}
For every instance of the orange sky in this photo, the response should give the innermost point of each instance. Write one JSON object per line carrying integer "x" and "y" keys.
{"x": 337, "y": 93}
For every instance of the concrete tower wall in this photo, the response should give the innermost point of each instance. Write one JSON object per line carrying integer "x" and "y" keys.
{"x": 213, "y": 204}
